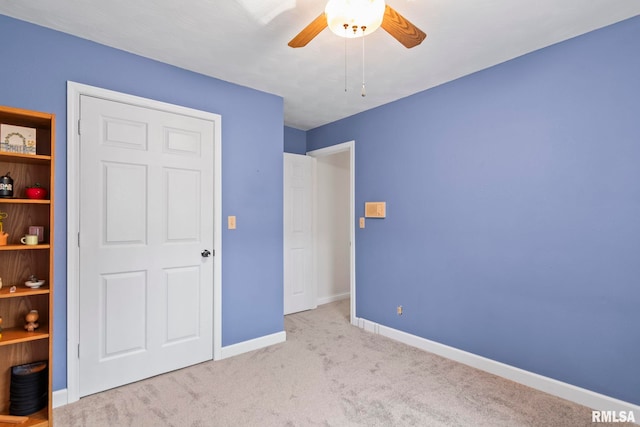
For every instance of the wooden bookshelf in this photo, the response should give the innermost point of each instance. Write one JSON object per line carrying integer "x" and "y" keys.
{"x": 18, "y": 262}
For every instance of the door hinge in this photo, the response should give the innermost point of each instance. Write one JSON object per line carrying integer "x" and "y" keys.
{"x": 78, "y": 351}
{"x": 78, "y": 126}
{"x": 213, "y": 252}
{"x": 78, "y": 239}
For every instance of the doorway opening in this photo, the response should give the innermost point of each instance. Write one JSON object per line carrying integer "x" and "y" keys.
{"x": 335, "y": 224}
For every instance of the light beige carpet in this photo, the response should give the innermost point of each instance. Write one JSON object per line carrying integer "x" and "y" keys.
{"x": 328, "y": 373}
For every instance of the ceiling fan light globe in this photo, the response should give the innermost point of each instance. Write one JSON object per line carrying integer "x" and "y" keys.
{"x": 354, "y": 13}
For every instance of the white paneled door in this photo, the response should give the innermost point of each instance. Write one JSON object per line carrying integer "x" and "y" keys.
{"x": 300, "y": 289}
{"x": 146, "y": 224}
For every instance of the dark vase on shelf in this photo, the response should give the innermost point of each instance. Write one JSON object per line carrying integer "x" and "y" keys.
{"x": 6, "y": 186}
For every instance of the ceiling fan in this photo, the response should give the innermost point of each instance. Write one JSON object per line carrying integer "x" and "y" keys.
{"x": 356, "y": 18}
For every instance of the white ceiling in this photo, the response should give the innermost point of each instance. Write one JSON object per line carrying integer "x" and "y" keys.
{"x": 245, "y": 42}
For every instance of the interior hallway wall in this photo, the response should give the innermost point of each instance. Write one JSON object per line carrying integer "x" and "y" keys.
{"x": 333, "y": 227}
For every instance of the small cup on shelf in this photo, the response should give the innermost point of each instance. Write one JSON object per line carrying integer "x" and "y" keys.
{"x": 38, "y": 230}
{"x": 29, "y": 239}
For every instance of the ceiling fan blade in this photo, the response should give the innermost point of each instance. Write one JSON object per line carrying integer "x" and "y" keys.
{"x": 401, "y": 29}
{"x": 309, "y": 32}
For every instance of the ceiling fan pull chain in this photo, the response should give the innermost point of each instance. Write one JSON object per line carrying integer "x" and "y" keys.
{"x": 363, "y": 92}
{"x": 346, "y": 27}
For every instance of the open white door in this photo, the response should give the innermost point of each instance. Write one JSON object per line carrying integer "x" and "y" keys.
{"x": 300, "y": 290}
{"x": 146, "y": 222}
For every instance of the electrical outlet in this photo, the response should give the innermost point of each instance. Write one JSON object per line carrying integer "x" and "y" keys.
{"x": 399, "y": 310}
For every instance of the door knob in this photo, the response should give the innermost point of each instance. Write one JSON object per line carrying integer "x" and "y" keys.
{"x": 206, "y": 253}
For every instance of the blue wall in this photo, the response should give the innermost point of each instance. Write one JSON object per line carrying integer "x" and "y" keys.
{"x": 513, "y": 211}
{"x": 36, "y": 64}
{"x": 295, "y": 141}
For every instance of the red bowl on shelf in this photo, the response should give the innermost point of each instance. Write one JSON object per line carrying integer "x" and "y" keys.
{"x": 35, "y": 192}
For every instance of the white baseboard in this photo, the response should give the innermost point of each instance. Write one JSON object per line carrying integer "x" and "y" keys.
{"x": 254, "y": 344}
{"x": 557, "y": 388}
{"x": 333, "y": 298}
{"x": 60, "y": 398}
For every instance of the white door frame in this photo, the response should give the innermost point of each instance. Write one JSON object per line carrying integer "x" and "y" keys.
{"x": 74, "y": 91}
{"x": 323, "y": 152}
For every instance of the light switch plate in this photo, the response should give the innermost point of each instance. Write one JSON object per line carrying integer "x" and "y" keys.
{"x": 231, "y": 222}
{"x": 361, "y": 222}
{"x": 375, "y": 209}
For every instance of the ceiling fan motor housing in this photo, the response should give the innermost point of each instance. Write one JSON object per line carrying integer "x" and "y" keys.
{"x": 354, "y": 18}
